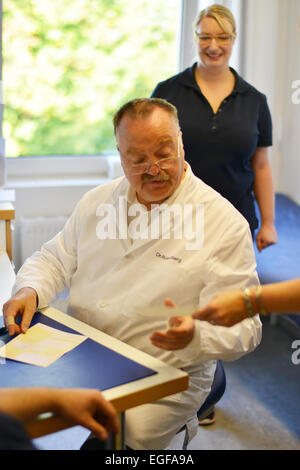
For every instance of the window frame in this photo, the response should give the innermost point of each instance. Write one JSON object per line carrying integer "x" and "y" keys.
{"x": 2, "y": 143}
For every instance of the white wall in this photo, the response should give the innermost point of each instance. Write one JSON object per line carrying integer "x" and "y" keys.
{"x": 187, "y": 49}
{"x": 290, "y": 146}
{"x": 271, "y": 63}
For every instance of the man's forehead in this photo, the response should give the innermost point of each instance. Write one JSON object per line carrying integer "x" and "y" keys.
{"x": 158, "y": 118}
{"x": 157, "y": 143}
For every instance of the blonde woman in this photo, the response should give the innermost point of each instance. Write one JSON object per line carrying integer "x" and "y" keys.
{"x": 226, "y": 123}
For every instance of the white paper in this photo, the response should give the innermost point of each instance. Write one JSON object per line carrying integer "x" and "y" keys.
{"x": 41, "y": 345}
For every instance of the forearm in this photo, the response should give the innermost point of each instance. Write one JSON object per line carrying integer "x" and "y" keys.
{"x": 47, "y": 272}
{"x": 283, "y": 297}
{"x": 26, "y": 403}
{"x": 85, "y": 407}
{"x": 264, "y": 193}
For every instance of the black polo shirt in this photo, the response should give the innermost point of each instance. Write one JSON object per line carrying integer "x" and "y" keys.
{"x": 219, "y": 146}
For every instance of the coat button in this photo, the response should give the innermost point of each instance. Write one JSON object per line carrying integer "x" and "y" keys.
{"x": 102, "y": 303}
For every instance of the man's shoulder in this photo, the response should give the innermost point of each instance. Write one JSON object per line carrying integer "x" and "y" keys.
{"x": 102, "y": 193}
{"x": 215, "y": 204}
{"x": 105, "y": 188}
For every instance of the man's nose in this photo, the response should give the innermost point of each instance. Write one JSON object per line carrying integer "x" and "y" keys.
{"x": 153, "y": 169}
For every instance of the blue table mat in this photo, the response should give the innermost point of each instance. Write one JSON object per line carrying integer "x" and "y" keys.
{"x": 89, "y": 365}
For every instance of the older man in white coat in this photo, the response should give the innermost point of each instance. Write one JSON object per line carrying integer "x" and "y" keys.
{"x": 158, "y": 232}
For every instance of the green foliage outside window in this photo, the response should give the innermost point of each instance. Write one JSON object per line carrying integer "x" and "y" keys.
{"x": 69, "y": 64}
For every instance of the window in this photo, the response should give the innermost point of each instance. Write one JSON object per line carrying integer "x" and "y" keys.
{"x": 69, "y": 64}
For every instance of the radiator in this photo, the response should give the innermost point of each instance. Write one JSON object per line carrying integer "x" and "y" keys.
{"x": 36, "y": 231}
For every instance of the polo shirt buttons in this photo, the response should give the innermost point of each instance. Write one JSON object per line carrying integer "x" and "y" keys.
{"x": 214, "y": 127}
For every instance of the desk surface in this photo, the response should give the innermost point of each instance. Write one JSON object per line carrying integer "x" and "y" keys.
{"x": 7, "y": 211}
{"x": 150, "y": 379}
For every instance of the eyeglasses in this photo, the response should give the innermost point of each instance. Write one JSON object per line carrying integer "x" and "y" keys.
{"x": 162, "y": 164}
{"x": 220, "y": 38}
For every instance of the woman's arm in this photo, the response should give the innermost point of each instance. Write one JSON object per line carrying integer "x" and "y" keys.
{"x": 282, "y": 297}
{"x": 264, "y": 194}
{"x": 229, "y": 308}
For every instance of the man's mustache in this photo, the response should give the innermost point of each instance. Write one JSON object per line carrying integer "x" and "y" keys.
{"x": 160, "y": 177}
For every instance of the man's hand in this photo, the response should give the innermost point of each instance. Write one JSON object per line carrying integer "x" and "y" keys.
{"x": 22, "y": 304}
{"x": 85, "y": 407}
{"x": 178, "y": 336}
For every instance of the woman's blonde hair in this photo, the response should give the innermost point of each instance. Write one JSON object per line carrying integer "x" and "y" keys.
{"x": 218, "y": 13}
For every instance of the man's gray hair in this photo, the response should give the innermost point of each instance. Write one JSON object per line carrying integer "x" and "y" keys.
{"x": 143, "y": 107}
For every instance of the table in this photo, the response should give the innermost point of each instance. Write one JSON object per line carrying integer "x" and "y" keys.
{"x": 7, "y": 214}
{"x": 149, "y": 379}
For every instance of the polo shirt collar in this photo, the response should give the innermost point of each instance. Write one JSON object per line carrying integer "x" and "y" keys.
{"x": 187, "y": 78}
{"x": 240, "y": 85}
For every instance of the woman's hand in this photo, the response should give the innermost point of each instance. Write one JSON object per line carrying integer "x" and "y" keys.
{"x": 266, "y": 236}
{"x": 226, "y": 309}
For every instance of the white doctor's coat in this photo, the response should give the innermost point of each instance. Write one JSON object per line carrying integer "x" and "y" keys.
{"x": 109, "y": 278}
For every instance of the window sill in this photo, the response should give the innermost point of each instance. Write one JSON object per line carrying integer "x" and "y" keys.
{"x": 55, "y": 182}
{"x": 59, "y": 172}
